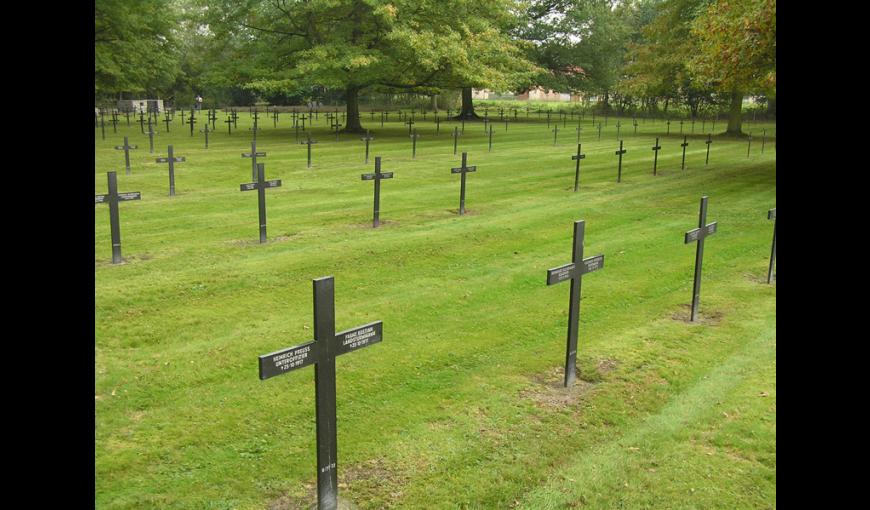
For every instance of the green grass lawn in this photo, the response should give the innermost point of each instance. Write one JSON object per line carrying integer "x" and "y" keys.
{"x": 461, "y": 405}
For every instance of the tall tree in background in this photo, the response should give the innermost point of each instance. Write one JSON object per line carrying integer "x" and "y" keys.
{"x": 135, "y": 47}
{"x": 402, "y": 45}
{"x": 737, "y": 51}
{"x": 579, "y": 44}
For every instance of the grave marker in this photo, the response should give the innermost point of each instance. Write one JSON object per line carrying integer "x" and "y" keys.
{"x": 464, "y": 169}
{"x": 490, "y": 138}
{"x": 555, "y": 134}
{"x": 367, "y": 138}
{"x": 126, "y": 148}
{"x": 261, "y": 184}
{"x": 699, "y": 234}
{"x": 377, "y": 176}
{"x": 708, "y": 142}
{"x": 321, "y": 352}
{"x": 656, "y": 148}
{"x": 577, "y": 157}
{"x": 191, "y": 121}
{"x": 456, "y": 136}
{"x": 684, "y": 145}
{"x": 308, "y": 143}
{"x": 414, "y": 137}
{"x": 574, "y": 271}
{"x": 171, "y": 160}
{"x": 113, "y": 198}
{"x": 254, "y": 155}
{"x": 619, "y": 153}
{"x": 771, "y": 215}
{"x": 206, "y": 131}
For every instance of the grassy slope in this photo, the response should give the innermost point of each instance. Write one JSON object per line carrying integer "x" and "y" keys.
{"x": 458, "y": 406}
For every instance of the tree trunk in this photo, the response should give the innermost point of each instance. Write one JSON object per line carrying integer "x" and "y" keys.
{"x": 734, "y": 118}
{"x": 352, "y": 122}
{"x": 467, "y": 112}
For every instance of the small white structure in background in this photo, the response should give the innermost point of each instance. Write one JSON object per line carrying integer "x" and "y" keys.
{"x": 144, "y": 105}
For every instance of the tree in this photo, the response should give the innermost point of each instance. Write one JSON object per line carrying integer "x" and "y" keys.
{"x": 737, "y": 51}
{"x": 354, "y": 45}
{"x": 134, "y": 46}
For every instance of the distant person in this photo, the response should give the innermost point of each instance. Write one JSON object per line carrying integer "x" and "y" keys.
{"x": 198, "y": 102}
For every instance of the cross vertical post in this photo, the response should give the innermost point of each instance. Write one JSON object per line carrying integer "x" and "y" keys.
{"x": 377, "y": 176}
{"x": 113, "y": 198}
{"x": 656, "y": 148}
{"x": 684, "y": 145}
{"x": 708, "y": 142}
{"x": 464, "y": 169}
{"x": 321, "y": 352}
{"x": 619, "y": 153}
{"x": 578, "y": 157}
{"x": 126, "y": 148}
{"x": 574, "y": 271}
{"x": 771, "y": 215}
{"x": 699, "y": 234}
{"x": 367, "y": 138}
{"x": 414, "y": 137}
{"x": 171, "y": 160}
{"x": 261, "y": 184}
{"x": 253, "y": 155}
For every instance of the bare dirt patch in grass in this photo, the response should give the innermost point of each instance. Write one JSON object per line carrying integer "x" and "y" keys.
{"x": 712, "y": 317}
{"x": 373, "y": 476}
{"x": 548, "y": 390}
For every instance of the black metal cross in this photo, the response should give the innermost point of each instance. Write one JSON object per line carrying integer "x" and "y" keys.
{"x": 456, "y": 136}
{"x": 112, "y": 199}
{"x": 577, "y": 157}
{"x": 414, "y": 137}
{"x": 377, "y": 176}
{"x": 410, "y": 123}
{"x": 255, "y": 128}
{"x": 166, "y": 120}
{"x": 771, "y": 215}
{"x": 171, "y": 160}
{"x": 253, "y": 155}
{"x": 574, "y": 271}
{"x": 229, "y": 123}
{"x": 684, "y": 145}
{"x": 206, "y": 131}
{"x": 437, "y": 124}
{"x": 321, "y": 352}
{"x": 635, "y": 125}
{"x": 555, "y": 133}
{"x": 464, "y": 169}
{"x": 191, "y": 121}
{"x": 619, "y": 153}
{"x": 618, "y": 126}
{"x": 367, "y": 138}
{"x": 763, "y": 136}
{"x": 490, "y": 138}
{"x": 151, "y": 134}
{"x": 336, "y": 126}
{"x": 260, "y": 185}
{"x": 126, "y": 148}
{"x": 308, "y": 143}
{"x": 669, "y": 127}
{"x": 708, "y": 142}
{"x": 599, "y": 131}
{"x": 699, "y": 234}
{"x": 656, "y": 148}
{"x": 749, "y": 145}
{"x": 142, "y": 120}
